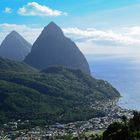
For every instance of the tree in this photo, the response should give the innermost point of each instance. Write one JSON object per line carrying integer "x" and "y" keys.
{"x": 124, "y": 119}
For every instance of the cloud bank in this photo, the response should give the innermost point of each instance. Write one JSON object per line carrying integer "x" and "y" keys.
{"x": 90, "y": 40}
{"x": 122, "y": 37}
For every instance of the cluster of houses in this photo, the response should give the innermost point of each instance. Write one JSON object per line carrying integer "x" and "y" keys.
{"x": 113, "y": 113}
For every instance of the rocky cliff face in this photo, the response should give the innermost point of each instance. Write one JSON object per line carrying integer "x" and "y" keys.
{"x": 52, "y": 48}
{"x": 14, "y": 47}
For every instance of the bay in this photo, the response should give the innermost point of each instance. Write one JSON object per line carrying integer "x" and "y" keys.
{"x": 122, "y": 73}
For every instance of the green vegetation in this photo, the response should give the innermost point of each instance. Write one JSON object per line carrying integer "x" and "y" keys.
{"x": 56, "y": 94}
{"x": 8, "y": 65}
{"x": 125, "y": 130}
{"x": 83, "y": 137}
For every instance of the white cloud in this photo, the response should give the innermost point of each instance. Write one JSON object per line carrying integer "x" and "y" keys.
{"x": 124, "y": 42}
{"x": 133, "y": 31}
{"x": 35, "y": 9}
{"x": 106, "y": 37}
{"x": 8, "y": 10}
{"x": 118, "y": 42}
{"x": 29, "y": 33}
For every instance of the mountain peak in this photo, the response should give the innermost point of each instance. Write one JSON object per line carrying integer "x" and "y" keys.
{"x": 52, "y": 24}
{"x": 52, "y": 48}
{"x": 53, "y": 29}
{"x": 14, "y": 47}
{"x": 14, "y": 33}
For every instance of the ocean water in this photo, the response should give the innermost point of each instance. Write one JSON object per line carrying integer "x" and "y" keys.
{"x": 123, "y": 74}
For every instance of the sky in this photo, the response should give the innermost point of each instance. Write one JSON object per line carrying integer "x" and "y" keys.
{"x": 97, "y": 26}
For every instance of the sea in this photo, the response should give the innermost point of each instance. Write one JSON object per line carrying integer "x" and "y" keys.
{"x": 123, "y": 73}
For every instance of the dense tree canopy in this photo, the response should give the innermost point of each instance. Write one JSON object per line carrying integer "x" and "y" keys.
{"x": 54, "y": 94}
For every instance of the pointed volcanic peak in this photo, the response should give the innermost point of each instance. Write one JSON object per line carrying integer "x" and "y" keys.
{"x": 52, "y": 48}
{"x": 14, "y": 47}
{"x": 53, "y": 30}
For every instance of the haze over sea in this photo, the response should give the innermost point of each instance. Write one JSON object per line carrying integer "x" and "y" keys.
{"x": 122, "y": 73}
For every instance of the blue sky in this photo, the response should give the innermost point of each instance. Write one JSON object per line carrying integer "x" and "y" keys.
{"x": 95, "y": 25}
{"x": 83, "y": 13}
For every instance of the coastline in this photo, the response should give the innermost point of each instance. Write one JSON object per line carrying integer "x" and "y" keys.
{"x": 113, "y": 113}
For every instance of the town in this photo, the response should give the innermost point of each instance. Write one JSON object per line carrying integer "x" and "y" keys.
{"x": 59, "y": 131}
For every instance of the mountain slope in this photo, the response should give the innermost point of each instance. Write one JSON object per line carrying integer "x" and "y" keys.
{"x": 7, "y": 65}
{"x": 14, "y": 47}
{"x": 52, "y": 48}
{"x": 51, "y": 95}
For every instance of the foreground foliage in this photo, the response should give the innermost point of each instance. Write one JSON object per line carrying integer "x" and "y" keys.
{"x": 124, "y": 130}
